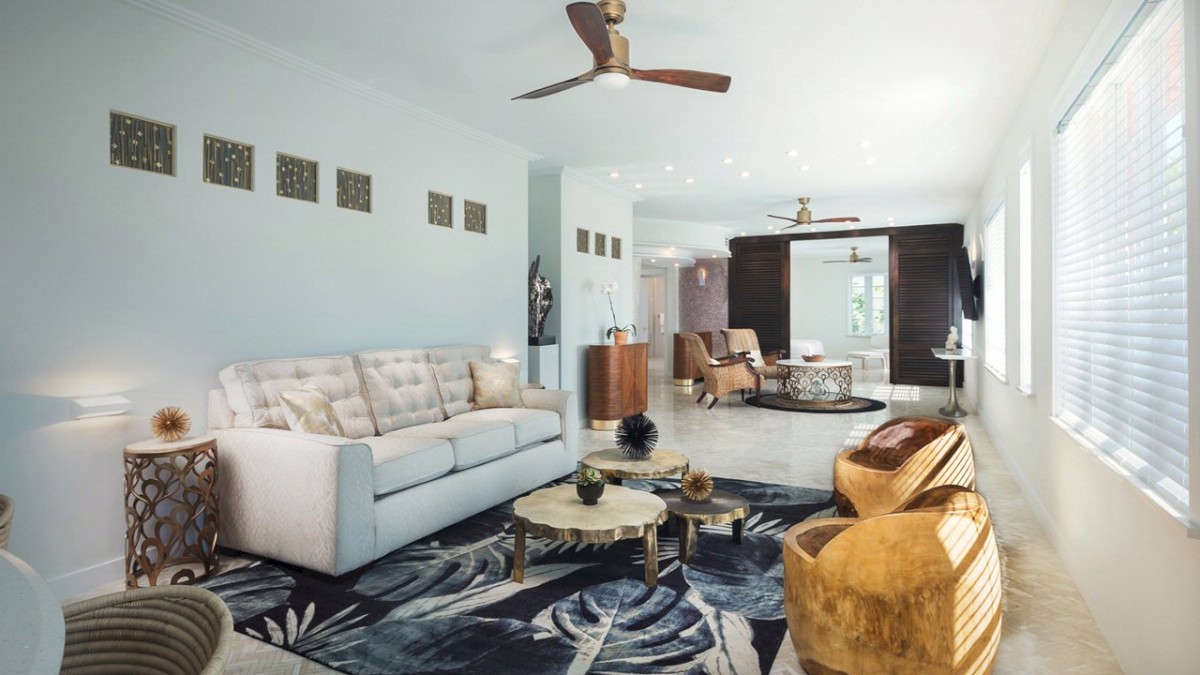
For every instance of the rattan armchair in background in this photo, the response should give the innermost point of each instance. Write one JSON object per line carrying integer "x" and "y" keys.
{"x": 6, "y": 516}
{"x": 175, "y": 630}
{"x": 745, "y": 341}
{"x": 728, "y": 374}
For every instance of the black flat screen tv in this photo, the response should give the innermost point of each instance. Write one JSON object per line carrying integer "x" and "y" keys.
{"x": 966, "y": 285}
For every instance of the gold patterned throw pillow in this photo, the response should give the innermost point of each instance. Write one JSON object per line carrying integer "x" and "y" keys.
{"x": 497, "y": 385}
{"x": 310, "y": 411}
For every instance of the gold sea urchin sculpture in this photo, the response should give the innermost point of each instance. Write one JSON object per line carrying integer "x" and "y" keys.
{"x": 170, "y": 424}
{"x": 697, "y": 485}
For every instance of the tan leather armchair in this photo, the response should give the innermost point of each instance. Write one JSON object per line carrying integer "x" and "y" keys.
{"x": 912, "y": 592}
{"x": 728, "y": 374}
{"x": 744, "y": 341}
{"x": 897, "y": 461}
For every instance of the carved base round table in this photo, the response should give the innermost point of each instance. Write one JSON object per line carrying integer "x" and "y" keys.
{"x": 616, "y": 467}
{"x": 558, "y": 513}
{"x": 171, "y": 510}
{"x": 813, "y": 384}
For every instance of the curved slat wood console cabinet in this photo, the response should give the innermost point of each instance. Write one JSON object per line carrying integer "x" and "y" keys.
{"x": 616, "y": 383}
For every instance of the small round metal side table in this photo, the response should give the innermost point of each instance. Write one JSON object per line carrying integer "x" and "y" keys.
{"x": 171, "y": 510}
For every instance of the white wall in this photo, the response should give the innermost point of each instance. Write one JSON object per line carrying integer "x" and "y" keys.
{"x": 561, "y": 201}
{"x": 1135, "y": 565}
{"x": 122, "y": 281}
{"x": 820, "y": 301}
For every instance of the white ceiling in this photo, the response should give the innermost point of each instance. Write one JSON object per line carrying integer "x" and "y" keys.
{"x": 930, "y": 83}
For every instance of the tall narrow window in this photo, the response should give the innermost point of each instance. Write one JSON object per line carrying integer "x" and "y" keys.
{"x": 868, "y": 304}
{"x": 994, "y": 305}
{"x": 1120, "y": 246}
{"x": 1025, "y": 251}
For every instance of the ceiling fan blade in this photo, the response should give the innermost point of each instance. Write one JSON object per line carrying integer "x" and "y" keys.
{"x": 555, "y": 88}
{"x": 850, "y": 219}
{"x": 785, "y": 218}
{"x": 588, "y": 21}
{"x": 861, "y": 260}
{"x": 835, "y": 261}
{"x": 693, "y": 79}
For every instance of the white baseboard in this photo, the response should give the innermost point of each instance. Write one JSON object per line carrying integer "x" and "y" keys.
{"x": 67, "y": 586}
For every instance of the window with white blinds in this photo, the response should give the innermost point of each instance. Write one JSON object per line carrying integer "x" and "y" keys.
{"x": 994, "y": 305}
{"x": 1120, "y": 366}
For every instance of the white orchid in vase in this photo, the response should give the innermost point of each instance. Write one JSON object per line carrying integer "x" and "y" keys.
{"x": 608, "y": 289}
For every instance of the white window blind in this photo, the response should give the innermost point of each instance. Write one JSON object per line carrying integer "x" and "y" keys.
{"x": 994, "y": 305}
{"x": 1025, "y": 178}
{"x": 1120, "y": 246}
{"x": 867, "y": 313}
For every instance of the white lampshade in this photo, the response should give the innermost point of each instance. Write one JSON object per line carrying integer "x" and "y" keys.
{"x": 612, "y": 80}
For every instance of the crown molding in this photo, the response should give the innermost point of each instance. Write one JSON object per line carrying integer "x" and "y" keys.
{"x": 580, "y": 177}
{"x": 200, "y": 24}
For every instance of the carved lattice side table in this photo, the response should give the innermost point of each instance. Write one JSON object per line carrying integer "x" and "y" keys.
{"x": 171, "y": 510}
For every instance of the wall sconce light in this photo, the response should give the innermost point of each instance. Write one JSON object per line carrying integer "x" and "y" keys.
{"x": 99, "y": 406}
{"x": 701, "y": 274}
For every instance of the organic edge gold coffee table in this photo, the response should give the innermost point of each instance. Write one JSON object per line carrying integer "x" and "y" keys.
{"x": 558, "y": 513}
{"x": 616, "y": 467}
{"x": 721, "y": 507}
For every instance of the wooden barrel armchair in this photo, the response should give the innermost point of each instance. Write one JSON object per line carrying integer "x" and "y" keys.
{"x": 724, "y": 375}
{"x": 912, "y": 592}
{"x": 6, "y": 516}
{"x": 744, "y": 342}
{"x": 897, "y": 461}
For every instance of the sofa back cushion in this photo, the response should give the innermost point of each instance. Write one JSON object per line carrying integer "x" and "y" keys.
{"x": 253, "y": 389}
{"x": 450, "y": 366}
{"x": 401, "y": 388}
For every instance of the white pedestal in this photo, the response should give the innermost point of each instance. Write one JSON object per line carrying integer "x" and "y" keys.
{"x": 543, "y": 366}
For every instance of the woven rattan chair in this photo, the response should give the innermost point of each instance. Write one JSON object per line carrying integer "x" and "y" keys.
{"x": 172, "y": 630}
{"x": 911, "y": 592}
{"x": 744, "y": 341}
{"x": 6, "y": 516}
{"x": 727, "y": 374}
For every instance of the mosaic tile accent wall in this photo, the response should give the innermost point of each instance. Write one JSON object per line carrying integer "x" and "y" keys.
{"x": 705, "y": 308}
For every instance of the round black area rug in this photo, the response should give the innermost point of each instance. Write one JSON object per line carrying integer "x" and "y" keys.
{"x": 854, "y": 405}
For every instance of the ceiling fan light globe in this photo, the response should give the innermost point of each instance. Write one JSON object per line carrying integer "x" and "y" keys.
{"x": 611, "y": 81}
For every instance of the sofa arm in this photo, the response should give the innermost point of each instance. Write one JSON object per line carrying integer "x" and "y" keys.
{"x": 300, "y": 498}
{"x": 563, "y": 403}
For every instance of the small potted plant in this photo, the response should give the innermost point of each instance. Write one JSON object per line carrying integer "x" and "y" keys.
{"x": 590, "y": 486}
{"x": 619, "y": 334}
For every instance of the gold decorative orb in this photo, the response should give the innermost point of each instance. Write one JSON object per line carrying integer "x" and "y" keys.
{"x": 697, "y": 485}
{"x": 170, "y": 424}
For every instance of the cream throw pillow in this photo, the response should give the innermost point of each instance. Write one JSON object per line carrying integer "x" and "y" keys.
{"x": 310, "y": 411}
{"x": 497, "y": 385}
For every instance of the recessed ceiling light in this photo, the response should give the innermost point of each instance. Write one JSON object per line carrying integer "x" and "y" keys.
{"x": 677, "y": 264}
{"x": 864, "y": 144}
{"x": 671, "y": 248}
{"x": 714, "y": 255}
{"x": 689, "y": 180}
{"x": 770, "y": 227}
{"x": 638, "y": 186}
{"x": 727, "y": 160}
{"x": 614, "y": 175}
{"x": 869, "y": 160}
{"x": 745, "y": 174}
{"x": 743, "y": 234}
{"x": 814, "y": 228}
{"x": 851, "y": 226}
{"x": 668, "y": 168}
{"x": 654, "y": 260}
{"x": 793, "y": 153}
{"x": 805, "y": 167}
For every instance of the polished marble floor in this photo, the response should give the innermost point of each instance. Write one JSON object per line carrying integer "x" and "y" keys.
{"x": 1047, "y": 627}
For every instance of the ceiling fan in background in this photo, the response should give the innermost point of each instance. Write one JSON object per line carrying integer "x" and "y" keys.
{"x": 854, "y": 257}
{"x": 596, "y": 24}
{"x": 804, "y": 217}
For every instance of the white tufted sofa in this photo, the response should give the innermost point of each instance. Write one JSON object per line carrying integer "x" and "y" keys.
{"x": 415, "y": 458}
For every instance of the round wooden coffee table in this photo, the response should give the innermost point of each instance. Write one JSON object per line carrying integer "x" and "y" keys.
{"x": 558, "y": 513}
{"x": 616, "y": 467}
{"x": 721, "y": 507}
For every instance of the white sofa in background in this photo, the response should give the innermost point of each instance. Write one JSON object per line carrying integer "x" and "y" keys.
{"x": 415, "y": 456}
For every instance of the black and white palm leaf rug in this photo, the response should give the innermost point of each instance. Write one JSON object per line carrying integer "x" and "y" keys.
{"x": 447, "y": 603}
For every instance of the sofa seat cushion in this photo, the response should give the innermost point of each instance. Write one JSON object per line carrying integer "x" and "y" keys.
{"x": 529, "y": 424}
{"x": 474, "y": 441}
{"x": 404, "y": 462}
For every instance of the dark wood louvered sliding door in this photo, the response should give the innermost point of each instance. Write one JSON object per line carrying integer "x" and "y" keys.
{"x": 923, "y": 303}
{"x": 758, "y": 292}
{"x": 924, "y": 306}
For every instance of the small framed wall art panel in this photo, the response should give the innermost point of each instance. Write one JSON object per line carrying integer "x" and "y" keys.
{"x": 582, "y": 239}
{"x": 353, "y": 190}
{"x": 600, "y": 245}
{"x": 441, "y": 209}
{"x": 295, "y": 177}
{"x": 474, "y": 216}
{"x": 140, "y": 143}
{"x": 615, "y": 247}
{"x": 228, "y": 163}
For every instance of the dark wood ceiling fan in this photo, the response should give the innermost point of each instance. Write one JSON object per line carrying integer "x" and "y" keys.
{"x": 804, "y": 217}
{"x": 854, "y": 257}
{"x": 596, "y": 25}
